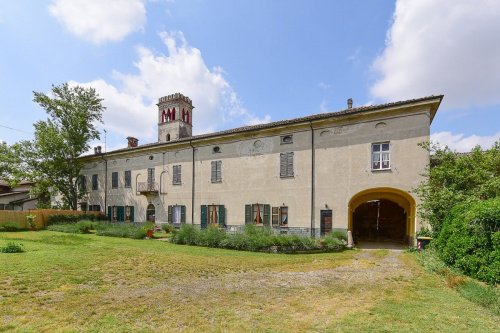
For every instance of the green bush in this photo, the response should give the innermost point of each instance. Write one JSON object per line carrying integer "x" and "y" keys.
{"x": 120, "y": 230}
{"x": 470, "y": 239}
{"x": 255, "y": 239}
{"x": 11, "y": 226}
{"x": 80, "y": 227}
{"x": 12, "y": 247}
{"x": 168, "y": 228}
{"x": 65, "y": 219}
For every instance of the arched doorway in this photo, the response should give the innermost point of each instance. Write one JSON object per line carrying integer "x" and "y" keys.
{"x": 382, "y": 215}
{"x": 150, "y": 213}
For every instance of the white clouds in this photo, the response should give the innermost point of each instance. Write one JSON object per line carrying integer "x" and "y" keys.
{"x": 100, "y": 21}
{"x": 131, "y": 109}
{"x": 448, "y": 46}
{"x": 462, "y": 143}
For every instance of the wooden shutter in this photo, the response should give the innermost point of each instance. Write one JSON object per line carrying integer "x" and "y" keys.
{"x": 204, "y": 214}
{"x": 109, "y": 213}
{"x": 289, "y": 166}
{"x": 248, "y": 214}
{"x": 120, "y": 213}
{"x": 169, "y": 214}
{"x": 267, "y": 215}
{"x": 132, "y": 214}
{"x": 183, "y": 214}
{"x": 218, "y": 175}
{"x": 222, "y": 216}
{"x": 282, "y": 164}
{"x": 214, "y": 171}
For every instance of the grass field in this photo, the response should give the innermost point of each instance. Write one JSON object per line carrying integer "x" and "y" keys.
{"x": 66, "y": 283}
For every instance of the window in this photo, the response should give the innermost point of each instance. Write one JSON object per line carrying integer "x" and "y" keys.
{"x": 114, "y": 180}
{"x": 176, "y": 179}
{"x": 128, "y": 178}
{"x": 94, "y": 208}
{"x": 286, "y": 139}
{"x": 280, "y": 216}
{"x": 83, "y": 206}
{"x": 129, "y": 213}
{"x": 258, "y": 214}
{"x": 213, "y": 215}
{"x": 176, "y": 214}
{"x": 216, "y": 149}
{"x": 286, "y": 165}
{"x": 381, "y": 156}
{"x": 216, "y": 171}
{"x": 151, "y": 176}
{"x": 82, "y": 182}
{"x": 95, "y": 184}
{"x": 114, "y": 217}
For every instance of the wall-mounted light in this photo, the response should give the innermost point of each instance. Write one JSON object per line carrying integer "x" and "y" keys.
{"x": 326, "y": 205}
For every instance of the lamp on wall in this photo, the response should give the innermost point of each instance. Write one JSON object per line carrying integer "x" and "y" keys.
{"x": 326, "y": 205}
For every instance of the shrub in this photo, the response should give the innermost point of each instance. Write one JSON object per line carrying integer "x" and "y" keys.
{"x": 11, "y": 226}
{"x": 333, "y": 241}
{"x": 187, "y": 234}
{"x": 71, "y": 218}
{"x": 424, "y": 232}
{"x": 212, "y": 237}
{"x": 68, "y": 228}
{"x": 470, "y": 239}
{"x": 120, "y": 230}
{"x": 168, "y": 228}
{"x": 12, "y": 247}
{"x": 31, "y": 220}
{"x": 342, "y": 235}
{"x": 84, "y": 227}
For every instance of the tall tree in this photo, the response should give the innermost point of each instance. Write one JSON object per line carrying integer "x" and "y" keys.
{"x": 51, "y": 159}
{"x": 457, "y": 178}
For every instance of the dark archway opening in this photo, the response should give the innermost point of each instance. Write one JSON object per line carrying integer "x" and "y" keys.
{"x": 379, "y": 221}
{"x": 150, "y": 213}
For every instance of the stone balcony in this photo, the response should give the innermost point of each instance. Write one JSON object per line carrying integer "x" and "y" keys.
{"x": 148, "y": 189}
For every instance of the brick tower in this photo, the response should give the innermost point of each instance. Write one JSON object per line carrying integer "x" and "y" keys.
{"x": 175, "y": 117}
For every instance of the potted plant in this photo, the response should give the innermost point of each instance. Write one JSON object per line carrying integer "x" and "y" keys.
{"x": 149, "y": 228}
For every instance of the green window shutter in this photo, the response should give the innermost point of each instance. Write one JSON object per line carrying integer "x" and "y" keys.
{"x": 169, "y": 215}
{"x": 120, "y": 213}
{"x": 248, "y": 214}
{"x": 131, "y": 213}
{"x": 204, "y": 213}
{"x": 183, "y": 214}
{"x": 222, "y": 216}
{"x": 218, "y": 175}
{"x": 267, "y": 215}
{"x": 109, "y": 213}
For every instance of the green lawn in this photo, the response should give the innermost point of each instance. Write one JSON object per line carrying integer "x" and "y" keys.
{"x": 67, "y": 282}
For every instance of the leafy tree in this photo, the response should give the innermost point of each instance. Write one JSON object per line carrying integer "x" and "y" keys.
{"x": 51, "y": 159}
{"x": 456, "y": 178}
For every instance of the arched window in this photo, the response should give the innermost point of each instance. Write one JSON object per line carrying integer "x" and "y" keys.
{"x": 168, "y": 115}
{"x": 168, "y": 137}
{"x": 150, "y": 213}
{"x": 173, "y": 114}
{"x": 187, "y": 117}
{"x": 183, "y": 115}
{"x": 163, "y": 116}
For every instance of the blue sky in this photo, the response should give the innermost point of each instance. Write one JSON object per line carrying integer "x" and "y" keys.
{"x": 253, "y": 61}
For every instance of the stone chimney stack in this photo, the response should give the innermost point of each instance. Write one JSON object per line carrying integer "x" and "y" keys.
{"x": 132, "y": 142}
{"x": 349, "y": 103}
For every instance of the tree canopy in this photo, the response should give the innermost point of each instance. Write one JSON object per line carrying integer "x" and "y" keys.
{"x": 51, "y": 159}
{"x": 457, "y": 178}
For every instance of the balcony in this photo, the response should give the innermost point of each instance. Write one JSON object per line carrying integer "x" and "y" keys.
{"x": 148, "y": 189}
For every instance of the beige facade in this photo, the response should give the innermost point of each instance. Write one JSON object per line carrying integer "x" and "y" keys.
{"x": 315, "y": 170}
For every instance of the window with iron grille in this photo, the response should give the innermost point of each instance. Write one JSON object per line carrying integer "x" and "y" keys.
{"x": 128, "y": 178}
{"x": 286, "y": 165}
{"x": 176, "y": 179}
{"x": 95, "y": 184}
{"x": 381, "y": 156}
{"x": 114, "y": 180}
{"x": 216, "y": 171}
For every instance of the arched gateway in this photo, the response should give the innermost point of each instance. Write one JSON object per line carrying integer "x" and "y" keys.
{"x": 382, "y": 215}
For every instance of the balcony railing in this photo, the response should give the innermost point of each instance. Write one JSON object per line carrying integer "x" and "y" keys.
{"x": 148, "y": 188}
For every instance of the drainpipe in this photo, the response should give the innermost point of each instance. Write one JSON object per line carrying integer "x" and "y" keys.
{"x": 105, "y": 185}
{"x": 313, "y": 165}
{"x": 192, "y": 185}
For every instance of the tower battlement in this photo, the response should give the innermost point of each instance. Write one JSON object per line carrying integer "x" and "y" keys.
{"x": 173, "y": 97}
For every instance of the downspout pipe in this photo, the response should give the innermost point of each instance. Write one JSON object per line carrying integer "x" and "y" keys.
{"x": 313, "y": 175}
{"x": 192, "y": 184}
{"x": 105, "y": 185}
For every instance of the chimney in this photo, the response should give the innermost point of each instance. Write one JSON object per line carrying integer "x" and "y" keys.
{"x": 349, "y": 103}
{"x": 132, "y": 142}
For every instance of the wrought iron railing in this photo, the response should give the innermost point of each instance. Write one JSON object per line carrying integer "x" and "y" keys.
{"x": 148, "y": 187}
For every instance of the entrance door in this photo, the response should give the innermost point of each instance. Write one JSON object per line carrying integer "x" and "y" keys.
{"x": 326, "y": 222}
{"x": 150, "y": 213}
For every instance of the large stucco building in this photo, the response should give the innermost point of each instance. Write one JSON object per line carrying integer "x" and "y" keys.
{"x": 352, "y": 170}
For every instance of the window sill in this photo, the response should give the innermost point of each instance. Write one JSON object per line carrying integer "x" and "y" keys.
{"x": 216, "y": 181}
{"x": 286, "y": 177}
{"x": 382, "y": 170}
{"x": 176, "y": 184}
